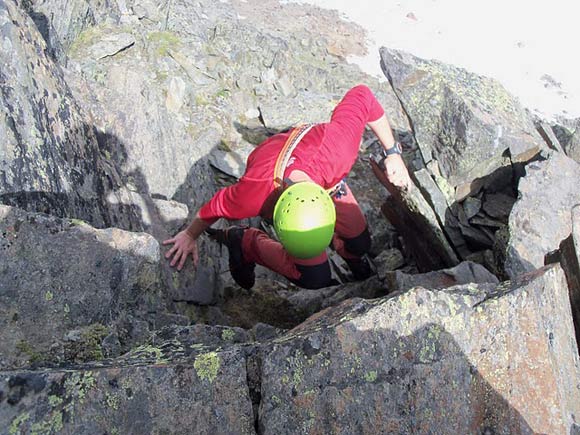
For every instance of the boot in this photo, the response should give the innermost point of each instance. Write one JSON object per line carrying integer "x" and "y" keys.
{"x": 360, "y": 268}
{"x": 242, "y": 272}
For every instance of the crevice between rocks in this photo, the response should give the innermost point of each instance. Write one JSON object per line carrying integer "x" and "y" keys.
{"x": 254, "y": 381}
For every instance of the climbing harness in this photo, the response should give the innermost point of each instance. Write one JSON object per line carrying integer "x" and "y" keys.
{"x": 285, "y": 154}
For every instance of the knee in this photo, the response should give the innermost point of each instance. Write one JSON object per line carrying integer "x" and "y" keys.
{"x": 360, "y": 244}
{"x": 314, "y": 277}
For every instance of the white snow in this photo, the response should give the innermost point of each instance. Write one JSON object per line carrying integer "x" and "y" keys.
{"x": 529, "y": 46}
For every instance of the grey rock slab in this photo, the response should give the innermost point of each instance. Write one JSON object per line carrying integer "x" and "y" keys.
{"x": 541, "y": 217}
{"x": 471, "y": 206}
{"x": 416, "y": 221}
{"x": 173, "y": 214}
{"x": 231, "y": 162}
{"x": 440, "y": 204}
{"x": 110, "y": 45}
{"x": 549, "y": 136}
{"x": 471, "y": 358}
{"x": 60, "y": 22}
{"x": 464, "y": 121}
{"x": 465, "y": 272}
{"x": 568, "y": 255}
{"x": 568, "y": 133}
{"x": 388, "y": 260}
{"x": 60, "y": 275}
{"x": 51, "y": 159}
{"x": 478, "y": 238}
{"x": 282, "y": 112}
{"x": 498, "y": 205}
{"x": 205, "y": 390}
{"x": 482, "y": 219}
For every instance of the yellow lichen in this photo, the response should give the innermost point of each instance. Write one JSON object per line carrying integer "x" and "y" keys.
{"x": 207, "y": 366}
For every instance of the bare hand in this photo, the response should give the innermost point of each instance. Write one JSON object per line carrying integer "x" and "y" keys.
{"x": 183, "y": 245}
{"x": 396, "y": 171}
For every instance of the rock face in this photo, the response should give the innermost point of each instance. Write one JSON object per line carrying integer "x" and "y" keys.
{"x": 541, "y": 218}
{"x": 116, "y": 112}
{"x": 468, "y": 359}
{"x": 568, "y": 134}
{"x": 464, "y": 273}
{"x": 473, "y": 139}
{"x": 207, "y": 391}
{"x": 463, "y": 121}
{"x": 66, "y": 287}
{"x": 50, "y": 155}
{"x": 184, "y": 82}
{"x": 569, "y": 256}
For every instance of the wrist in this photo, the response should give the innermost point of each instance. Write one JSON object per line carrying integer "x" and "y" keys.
{"x": 389, "y": 153}
{"x": 393, "y": 149}
{"x": 190, "y": 231}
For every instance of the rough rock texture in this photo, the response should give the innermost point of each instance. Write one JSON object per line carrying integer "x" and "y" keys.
{"x": 463, "y": 121}
{"x": 196, "y": 79}
{"x": 171, "y": 87}
{"x": 568, "y": 255}
{"x": 468, "y": 359}
{"x": 414, "y": 218}
{"x": 120, "y": 117}
{"x": 464, "y": 273}
{"x": 541, "y": 218}
{"x": 441, "y": 206}
{"x": 66, "y": 286}
{"x": 50, "y": 156}
{"x": 568, "y": 134}
{"x": 202, "y": 391}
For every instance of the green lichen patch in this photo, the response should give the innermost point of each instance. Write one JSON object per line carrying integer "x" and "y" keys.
{"x": 54, "y": 401}
{"x": 207, "y": 365}
{"x": 85, "y": 39}
{"x": 112, "y": 400}
{"x": 228, "y": 335}
{"x": 371, "y": 376}
{"x": 163, "y": 42}
{"x": 148, "y": 353}
{"x": 52, "y": 425}
{"x": 25, "y": 348}
{"x": 17, "y": 422}
{"x": 89, "y": 347}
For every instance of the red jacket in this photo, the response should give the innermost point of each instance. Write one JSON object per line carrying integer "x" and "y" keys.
{"x": 326, "y": 154}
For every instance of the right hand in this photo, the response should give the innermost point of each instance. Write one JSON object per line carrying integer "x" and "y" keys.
{"x": 397, "y": 172}
{"x": 183, "y": 245}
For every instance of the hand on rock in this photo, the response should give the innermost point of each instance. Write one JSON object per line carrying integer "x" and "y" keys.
{"x": 396, "y": 171}
{"x": 183, "y": 246}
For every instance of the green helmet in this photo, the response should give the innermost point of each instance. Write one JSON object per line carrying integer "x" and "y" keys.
{"x": 304, "y": 218}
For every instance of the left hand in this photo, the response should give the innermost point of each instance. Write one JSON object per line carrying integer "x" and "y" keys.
{"x": 396, "y": 171}
{"x": 183, "y": 246}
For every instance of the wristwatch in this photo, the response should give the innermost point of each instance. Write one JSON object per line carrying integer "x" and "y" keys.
{"x": 395, "y": 149}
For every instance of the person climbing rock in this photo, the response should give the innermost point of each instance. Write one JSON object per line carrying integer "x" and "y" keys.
{"x": 297, "y": 179}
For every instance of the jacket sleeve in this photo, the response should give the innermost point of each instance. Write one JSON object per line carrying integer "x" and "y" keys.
{"x": 239, "y": 201}
{"x": 358, "y": 107}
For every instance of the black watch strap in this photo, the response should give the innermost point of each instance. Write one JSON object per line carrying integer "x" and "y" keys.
{"x": 395, "y": 149}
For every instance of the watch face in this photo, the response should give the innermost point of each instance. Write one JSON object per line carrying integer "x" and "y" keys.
{"x": 396, "y": 149}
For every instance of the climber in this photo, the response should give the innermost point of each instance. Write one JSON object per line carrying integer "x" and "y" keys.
{"x": 309, "y": 162}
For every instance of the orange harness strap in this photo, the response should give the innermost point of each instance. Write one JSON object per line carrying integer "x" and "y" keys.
{"x": 291, "y": 143}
